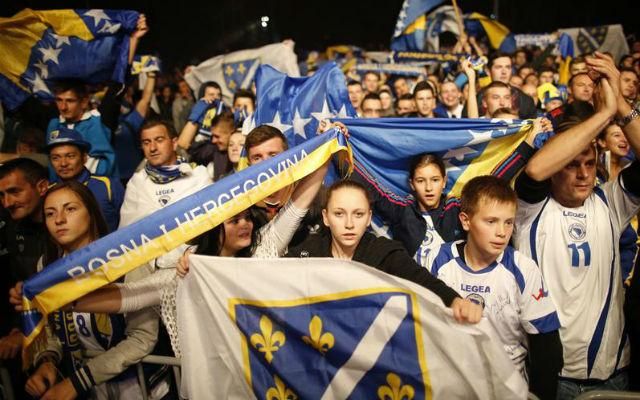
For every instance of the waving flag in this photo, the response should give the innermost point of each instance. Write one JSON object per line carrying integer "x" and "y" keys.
{"x": 40, "y": 47}
{"x": 263, "y": 331}
{"x": 410, "y": 31}
{"x": 383, "y": 148}
{"x": 236, "y": 70}
{"x": 499, "y": 36}
{"x": 109, "y": 258}
{"x": 297, "y": 105}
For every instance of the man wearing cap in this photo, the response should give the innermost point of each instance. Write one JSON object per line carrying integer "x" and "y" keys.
{"x": 68, "y": 154}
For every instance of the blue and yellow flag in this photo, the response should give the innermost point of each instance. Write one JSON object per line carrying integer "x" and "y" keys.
{"x": 40, "y": 47}
{"x": 499, "y": 35}
{"x": 109, "y": 258}
{"x": 384, "y": 147}
{"x": 410, "y": 31}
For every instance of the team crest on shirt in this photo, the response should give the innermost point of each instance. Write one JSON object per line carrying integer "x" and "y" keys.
{"x": 163, "y": 200}
{"x": 476, "y": 298}
{"x": 577, "y": 231}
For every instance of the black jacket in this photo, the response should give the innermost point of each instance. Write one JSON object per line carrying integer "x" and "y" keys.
{"x": 381, "y": 253}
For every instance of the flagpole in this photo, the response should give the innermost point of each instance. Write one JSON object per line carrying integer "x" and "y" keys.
{"x": 458, "y": 17}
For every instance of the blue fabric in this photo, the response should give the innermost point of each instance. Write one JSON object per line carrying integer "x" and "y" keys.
{"x": 126, "y": 143}
{"x": 565, "y": 45}
{"x": 297, "y": 105}
{"x": 385, "y": 146}
{"x": 95, "y": 132}
{"x": 411, "y": 10}
{"x": 53, "y": 56}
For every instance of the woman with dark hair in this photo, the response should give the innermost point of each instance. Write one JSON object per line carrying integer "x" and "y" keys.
{"x": 244, "y": 235}
{"x": 73, "y": 220}
{"x": 347, "y": 214}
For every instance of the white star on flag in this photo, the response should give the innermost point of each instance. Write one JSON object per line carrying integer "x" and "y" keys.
{"x": 479, "y": 137}
{"x": 50, "y": 54}
{"x": 39, "y": 85}
{"x": 299, "y": 124}
{"x": 343, "y": 112}
{"x": 458, "y": 153}
{"x": 279, "y": 125}
{"x": 324, "y": 114}
{"x": 44, "y": 69}
{"x": 108, "y": 27}
{"x": 450, "y": 167}
{"x": 97, "y": 15}
{"x": 60, "y": 40}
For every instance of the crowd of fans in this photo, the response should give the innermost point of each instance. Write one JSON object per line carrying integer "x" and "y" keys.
{"x": 102, "y": 158}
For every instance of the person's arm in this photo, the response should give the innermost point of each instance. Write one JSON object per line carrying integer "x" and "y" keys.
{"x": 391, "y": 212}
{"x": 400, "y": 264}
{"x": 511, "y": 165}
{"x": 190, "y": 129}
{"x": 308, "y": 187}
{"x": 141, "y": 30}
{"x": 476, "y": 48}
{"x": 563, "y": 148}
{"x": 143, "y": 104}
{"x": 472, "y": 97}
{"x": 545, "y": 355}
{"x": 603, "y": 65}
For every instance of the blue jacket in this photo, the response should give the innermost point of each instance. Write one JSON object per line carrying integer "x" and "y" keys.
{"x": 95, "y": 132}
{"x": 109, "y": 194}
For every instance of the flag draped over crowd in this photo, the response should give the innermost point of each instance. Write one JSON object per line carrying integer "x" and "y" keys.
{"x": 236, "y": 70}
{"x": 258, "y": 328}
{"x": 384, "y": 147}
{"x": 112, "y": 256}
{"x": 40, "y": 47}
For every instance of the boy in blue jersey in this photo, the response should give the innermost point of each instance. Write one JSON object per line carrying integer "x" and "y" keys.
{"x": 506, "y": 283}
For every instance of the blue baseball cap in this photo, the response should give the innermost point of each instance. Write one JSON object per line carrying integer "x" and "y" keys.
{"x": 64, "y": 135}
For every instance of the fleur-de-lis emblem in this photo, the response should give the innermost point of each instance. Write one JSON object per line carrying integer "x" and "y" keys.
{"x": 280, "y": 392}
{"x": 316, "y": 339}
{"x": 395, "y": 389}
{"x": 269, "y": 341}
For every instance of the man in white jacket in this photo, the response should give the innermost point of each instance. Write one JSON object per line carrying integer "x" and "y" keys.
{"x": 165, "y": 179}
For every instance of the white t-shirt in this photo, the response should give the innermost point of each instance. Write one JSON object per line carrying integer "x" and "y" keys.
{"x": 577, "y": 250}
{"x": 511, "y": 291}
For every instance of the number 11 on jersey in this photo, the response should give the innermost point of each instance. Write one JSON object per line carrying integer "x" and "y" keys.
{"x": 580, "y": 255}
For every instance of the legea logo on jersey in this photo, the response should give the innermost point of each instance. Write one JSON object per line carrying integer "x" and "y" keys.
{"x": 577, "y": 231}
{"x": 302, "y": 348}
{"x": 541, "y": 292}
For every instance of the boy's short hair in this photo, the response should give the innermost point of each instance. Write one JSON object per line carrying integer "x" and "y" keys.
{"x": 485, "y": 188}
{"x": 263, "y": 133}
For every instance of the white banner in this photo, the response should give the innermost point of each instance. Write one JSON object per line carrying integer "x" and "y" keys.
{"x": 236, "y": 70}
{"x": 329, "y": 329}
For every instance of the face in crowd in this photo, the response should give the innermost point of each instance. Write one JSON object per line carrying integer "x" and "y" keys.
{"x": 158, "y": 146}
{"x": 234, "y": 150}
{"x": 67, "y": 219}
{"x": 67, "y": 160}
{"x": 425, "y": 103}
{"x": 71, "y": 106}
{"x": 574, "y": 183}
{"x": 347, "y": 214}
{"x": 496, "y": 98}
{"x": 20, "y": 197}
{"x": 501, "y": 69}
{"x": 489, "y": 226}
{"x": 428, "y": 181}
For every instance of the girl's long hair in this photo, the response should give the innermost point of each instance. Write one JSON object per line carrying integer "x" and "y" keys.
{"x": 97, "y": 225}
{"x": 210, "y": 243}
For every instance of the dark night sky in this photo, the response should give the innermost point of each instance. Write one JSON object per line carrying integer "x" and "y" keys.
{"x": 187, "y": 31}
